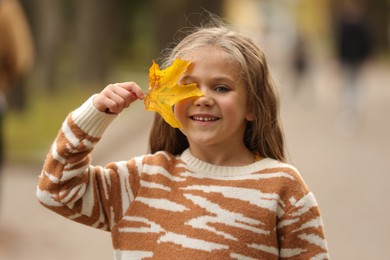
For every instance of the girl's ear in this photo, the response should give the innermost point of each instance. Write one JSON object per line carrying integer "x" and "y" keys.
{"x": 250, "y": 116}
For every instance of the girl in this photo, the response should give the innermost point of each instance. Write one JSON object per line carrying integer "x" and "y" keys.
{"x": 216, "y": 188}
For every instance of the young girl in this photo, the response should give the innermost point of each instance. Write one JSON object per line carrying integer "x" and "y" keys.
{"x": 217, "y": 188}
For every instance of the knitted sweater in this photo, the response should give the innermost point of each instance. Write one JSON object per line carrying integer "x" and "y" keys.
{"x": 163, "y": 206}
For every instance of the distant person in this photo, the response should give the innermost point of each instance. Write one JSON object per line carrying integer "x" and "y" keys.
{"x": 354, "y": 46}
{"x": 299, "y": 63}
{"x": 216, "y": 188}
{"x": 16, "y": 55}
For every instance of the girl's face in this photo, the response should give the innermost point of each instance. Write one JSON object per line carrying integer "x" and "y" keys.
{"x": 219, "y": 117}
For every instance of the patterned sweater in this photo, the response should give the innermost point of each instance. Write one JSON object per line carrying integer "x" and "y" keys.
{"x": 162, "y": 206}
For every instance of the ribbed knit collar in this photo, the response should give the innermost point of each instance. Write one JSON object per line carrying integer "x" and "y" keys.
{"x": 201, "y": 167}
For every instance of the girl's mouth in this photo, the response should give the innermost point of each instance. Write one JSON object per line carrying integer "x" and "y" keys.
{"x": 204, "y": 118}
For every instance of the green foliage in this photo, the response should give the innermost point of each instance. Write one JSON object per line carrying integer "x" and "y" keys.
{"x": 29, "y": 133}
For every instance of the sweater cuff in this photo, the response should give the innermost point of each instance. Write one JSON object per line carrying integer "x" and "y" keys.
{"x": 91, "y": 120}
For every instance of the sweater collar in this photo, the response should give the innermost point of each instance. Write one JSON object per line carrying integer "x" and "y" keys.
{"x": 200, "y": 167}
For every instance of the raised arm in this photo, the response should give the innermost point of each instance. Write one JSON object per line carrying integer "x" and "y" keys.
{"x": 68, "y": 184}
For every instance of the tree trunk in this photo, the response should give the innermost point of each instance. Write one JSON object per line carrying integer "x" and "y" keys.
{"x": 95, "y": 39}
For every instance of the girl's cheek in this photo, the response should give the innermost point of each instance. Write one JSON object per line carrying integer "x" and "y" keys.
{"x": 179, "y": 109}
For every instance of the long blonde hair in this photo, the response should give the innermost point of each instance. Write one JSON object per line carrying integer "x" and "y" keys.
{"x": 263, "y": 135}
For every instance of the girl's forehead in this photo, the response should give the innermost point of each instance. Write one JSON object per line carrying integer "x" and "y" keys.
{"x": 212, "y": 63}
{"x": 212, "y": 55}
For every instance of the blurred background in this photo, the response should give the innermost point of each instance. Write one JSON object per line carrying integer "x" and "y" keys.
{"x": 330, "y": 60}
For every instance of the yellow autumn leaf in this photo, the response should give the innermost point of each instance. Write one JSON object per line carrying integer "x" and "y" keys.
{"x": 165, "y": 91}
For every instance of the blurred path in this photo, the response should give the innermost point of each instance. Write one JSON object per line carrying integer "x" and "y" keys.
{"x": 347, "y": 172}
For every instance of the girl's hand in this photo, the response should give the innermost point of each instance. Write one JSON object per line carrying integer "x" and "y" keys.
{"x": 116, "y": 97}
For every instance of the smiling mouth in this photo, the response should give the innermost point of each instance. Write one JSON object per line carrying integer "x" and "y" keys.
{"x": 204, "y": 118}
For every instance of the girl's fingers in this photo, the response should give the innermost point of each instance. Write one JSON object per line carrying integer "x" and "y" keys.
{"x": 115, "y": 97}
{"x": 115, "y": 102}
{"x": 122, "y": 96}
{"x": 128, "y": 93}
{"x": 132, "y": 87}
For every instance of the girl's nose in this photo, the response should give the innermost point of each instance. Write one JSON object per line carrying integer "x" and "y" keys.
{"x": 204, "y": 100}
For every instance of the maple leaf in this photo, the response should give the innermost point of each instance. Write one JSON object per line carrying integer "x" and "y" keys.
{"x": 165, "y": 91}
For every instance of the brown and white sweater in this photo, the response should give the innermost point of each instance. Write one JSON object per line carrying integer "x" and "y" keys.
{"x": 177, "y": 207}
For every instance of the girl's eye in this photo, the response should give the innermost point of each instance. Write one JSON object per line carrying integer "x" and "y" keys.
{"x": 221, "y": 88}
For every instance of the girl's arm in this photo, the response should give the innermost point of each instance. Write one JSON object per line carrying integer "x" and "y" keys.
{"x": 68, "y": 184}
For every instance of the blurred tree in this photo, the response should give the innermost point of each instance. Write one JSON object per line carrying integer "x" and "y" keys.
{"x": 379, "y": 18}
{"x": 48, "y": 26}
{"x": 171, "y": 16}
{"x": 96, "y": 29}
{"x": 105, "y": 32}
{"x": 88, "y": 37}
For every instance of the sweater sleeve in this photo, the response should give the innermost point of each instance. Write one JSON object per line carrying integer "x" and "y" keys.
{"x": 300, "y": 227}
{"x": 70, "y": 186}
